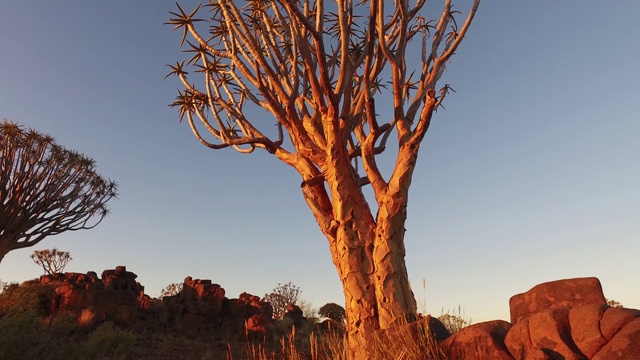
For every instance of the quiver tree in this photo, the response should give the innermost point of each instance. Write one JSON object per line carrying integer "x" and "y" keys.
{"x": 281, "y": 297}
{"x": 45, "y": 189}
{"x": 172, "y": 289}
{"x": 52, "y": 261}
{"x": 316, "y": 68}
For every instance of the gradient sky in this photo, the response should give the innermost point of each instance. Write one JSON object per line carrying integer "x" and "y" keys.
{"x": 531, "y": 174}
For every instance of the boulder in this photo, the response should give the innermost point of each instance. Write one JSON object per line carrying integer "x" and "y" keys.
{"x": 555, "y": 294}
{"x": 624, "y": 345}
{"x": 256, "y": 327}
{"x": 615, "y": 319}
{"x": 565, "y": 320}
{"x": 438, "y": 330}
{"x": 546, "y": 333}
{"x": 584, "y": 322}
{"x": 478, "y": 342}
{"x": 294, "y": 315}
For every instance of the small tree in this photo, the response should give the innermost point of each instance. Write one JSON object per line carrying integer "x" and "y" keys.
{"x": 51, "y": 260}
{"x": 332, "y": 311}
{"x": 171, "y": 290}
{"x": 45, "y": 189}
{"x": 281, "y": 297}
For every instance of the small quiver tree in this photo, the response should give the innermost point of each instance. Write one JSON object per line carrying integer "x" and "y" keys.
{"x": 316, "y": 67}
{"x": 281, "y": 297}
{"x": 172, "y": 289}
{"x": 45, "y": 189}
{"x": 52, "y": 261}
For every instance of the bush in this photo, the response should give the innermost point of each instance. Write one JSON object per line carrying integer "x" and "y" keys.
{"x": 30, "y": 331}
{"x": 108, "y": 341}
{"x": 454, "y": 322}
{"x": 35, "y": 297}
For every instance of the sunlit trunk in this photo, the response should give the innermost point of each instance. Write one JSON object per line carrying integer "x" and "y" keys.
{"x": 369, "y": 256}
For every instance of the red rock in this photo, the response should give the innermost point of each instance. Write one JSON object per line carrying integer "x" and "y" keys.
{"x": 438, "y": 330}
{"x": 624, "y": 345}
{"x": 480, "y": 341}
{"x": 256, "y": 328}
{"x": 545, "y": 333}
{"x": 584, "y": 325}
{"x": 76, "y": 300}
{"x": 615, "y": 319}
{"x": 556, "y": 294}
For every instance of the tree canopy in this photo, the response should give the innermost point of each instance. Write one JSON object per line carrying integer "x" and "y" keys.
{"x": 46, "y": 189}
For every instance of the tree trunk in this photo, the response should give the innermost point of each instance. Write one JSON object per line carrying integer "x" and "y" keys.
{"x": 369, "y": 257}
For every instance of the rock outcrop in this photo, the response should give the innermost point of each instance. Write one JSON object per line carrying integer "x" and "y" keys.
{"x": 564, "y": 319}
{"x": 114, "y": 297}
{"x": 200, "y": 308}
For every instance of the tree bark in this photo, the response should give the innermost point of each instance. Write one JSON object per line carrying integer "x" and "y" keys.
{"x": 368, "y": 253}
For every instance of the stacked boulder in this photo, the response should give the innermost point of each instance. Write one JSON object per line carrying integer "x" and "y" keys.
{"x": 564, "y": 319}
{"x": 114, "y": 298}
{"x": 202, "y": 308}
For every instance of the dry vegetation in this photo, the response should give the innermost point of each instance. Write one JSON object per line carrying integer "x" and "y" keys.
{"x": 28, "y": 333}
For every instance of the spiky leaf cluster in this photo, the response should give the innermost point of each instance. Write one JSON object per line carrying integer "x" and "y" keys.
{"x": 311, "y": 64}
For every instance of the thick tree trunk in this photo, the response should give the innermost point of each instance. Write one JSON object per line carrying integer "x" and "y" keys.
{"x": 374, "y": 300}
{"x": 369, "y": 256}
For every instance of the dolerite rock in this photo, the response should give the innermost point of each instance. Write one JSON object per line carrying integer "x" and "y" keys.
{"x": 543, "y": 335}
{"x": 115, "y": 297}
{"x": 621, "y": 327}
{"x": 119, "y": 279}
{"x": 564, "y": 320}
{"x": 540, "y": 317}
{"x": 480, "y": 341}
{"x": 438, "y": 330}
{"x": 295, "y": 315}
{"x": 556, "y": 294}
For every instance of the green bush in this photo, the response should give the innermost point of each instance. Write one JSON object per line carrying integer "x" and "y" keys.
{"x": 108, "y": 341}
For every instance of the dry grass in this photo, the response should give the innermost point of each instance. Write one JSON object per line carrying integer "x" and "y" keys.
{"x": 407, "y": 342}
{"x": 454, "y": 321}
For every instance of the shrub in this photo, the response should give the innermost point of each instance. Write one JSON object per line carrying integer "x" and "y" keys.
{"x": 108, "y": 341}
{"x": 454, "y": 322}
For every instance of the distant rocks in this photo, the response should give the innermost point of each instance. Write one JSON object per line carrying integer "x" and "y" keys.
{"x": 200, "y": 308}
{"x": 565, "y": 319}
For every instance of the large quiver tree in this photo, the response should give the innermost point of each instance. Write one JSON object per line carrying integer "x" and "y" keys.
{"x": 45, "y": 189}
{"x": 316, "y": 68}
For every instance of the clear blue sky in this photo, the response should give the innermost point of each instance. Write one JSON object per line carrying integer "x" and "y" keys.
{"x": 531, "y": 174}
